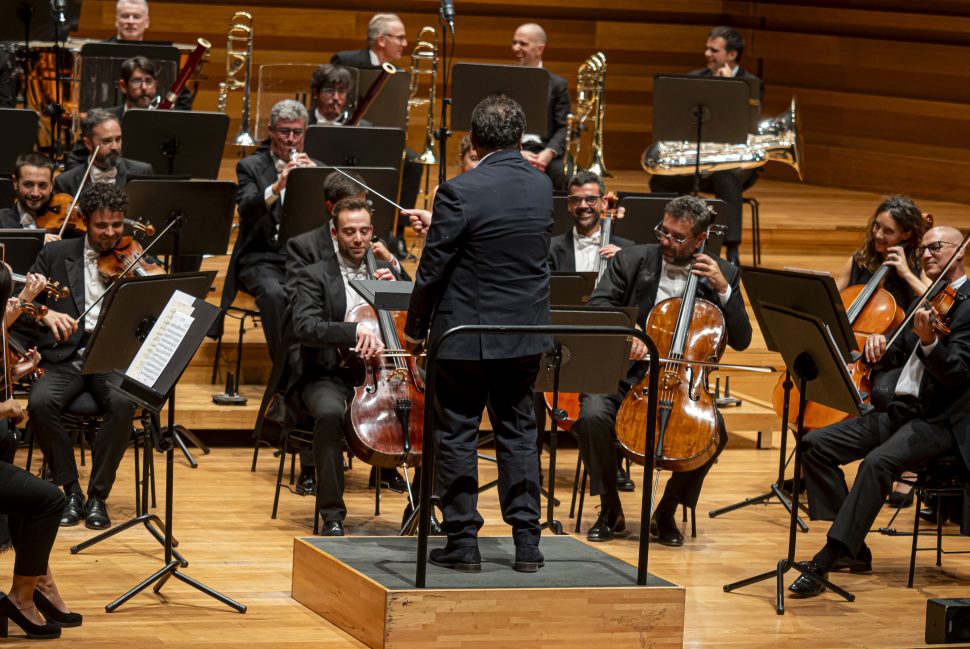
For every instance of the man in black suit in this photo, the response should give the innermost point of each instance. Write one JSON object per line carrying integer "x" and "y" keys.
{"x": 323, "y": 298}
{"x": 643, "y": 276}
{"x": 544, "y": 151}
{"x": 33, "y": 184}
{"x": 102, "y": 130}
{"x": 386, "y": 41}
{"x": 581, "y": 248}
{"x": 485, "y": 261}
{"x": 926, "y": 419}
{"x": 257, "y": 264}
{"x": 723, "y": 53}
{"x": 74, "y": 263}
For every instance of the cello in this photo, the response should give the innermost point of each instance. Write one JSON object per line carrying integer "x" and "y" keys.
{"x": 690, "y": 329}
{"x": 387, "y": 413}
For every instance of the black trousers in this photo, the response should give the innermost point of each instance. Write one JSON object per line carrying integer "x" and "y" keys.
{"x": 62, "y": 382}
{"x": 262, "y": 275}
{"x": 595, "y": 429}
{"x": 463, "y": 388}
{"x": 326, "y": 400}
{"x": 726, "y": 185}
{"x": 555, "y": 169}
{"x": 887, "y": 448}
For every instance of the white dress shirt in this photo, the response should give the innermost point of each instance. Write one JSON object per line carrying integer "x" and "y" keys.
{"x": 673, "y": 282}
{"x": 93, "y": 286}
{"x": 26, "y": 220}
{"x": 586, "y": 250}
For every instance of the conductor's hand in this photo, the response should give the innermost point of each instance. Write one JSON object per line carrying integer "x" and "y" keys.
{"x": 705, "y": 266}
{"x": 368, "y": 343}
{"x": 875, "y": 348}
{"x": 10, "y": 409}
{"x": 923, "y": 324}
{"x": 420, "y": 220}
{"x": 638, "y": 351}
{"x": 61, "y": 324}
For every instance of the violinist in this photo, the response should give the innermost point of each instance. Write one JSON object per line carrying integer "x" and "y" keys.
{"x": 61, "y": 340}
{"x": 33, "y": 183}
{"x": 580, "y": 249}
{"x": 642, "y": 276}
{"x": 928, "y": 417}
{"x": 320, "y": 377}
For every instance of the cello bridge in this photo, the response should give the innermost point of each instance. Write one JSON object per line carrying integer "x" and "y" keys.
{"x": 670, "y": 380}
{"x": 398, "y": 374}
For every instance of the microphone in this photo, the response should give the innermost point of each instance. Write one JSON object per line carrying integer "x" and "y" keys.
{"x": 448, "y": 13}
{"x": 58, "y": 8}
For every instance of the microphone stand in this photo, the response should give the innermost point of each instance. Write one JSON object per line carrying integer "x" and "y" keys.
{"x": 443, "y": 132}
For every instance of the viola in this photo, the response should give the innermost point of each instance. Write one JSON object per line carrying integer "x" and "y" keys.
{"x": 387, "y": 412}
{"x": 690, "y": 329}
{"x": 126, "y": 259}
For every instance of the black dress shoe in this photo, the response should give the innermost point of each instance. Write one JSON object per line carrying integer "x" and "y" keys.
{"x": 306, "y": 483}
{"x": 333, "y": 528}
{"x": 390, "y": 479}
{"x": 607, "y": 524}
{"x": 463, "y": 559}
{"x": 623, "y": 481}
{"x": 927, "y": 513}
{"x": 528, "y": 558}
{"x": 664, "y": 528}
{"x": 806, "y": 587}
{"x": 861, "y": 562}
{"x": 96, "y": 514}
{"x": 435, "y": 530}
{"x": 73, "y": 509}
{"x": 899, "y": 499}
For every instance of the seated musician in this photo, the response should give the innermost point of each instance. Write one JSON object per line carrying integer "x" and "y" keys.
{"x": 74, "y": 264}
{"x": 322, "y": 300}
{"x": 926, "y": 419}
{"x": 582, "y": 248}
{"x": 33, "y": 183}
{"x": 643, "y": 276}
{"x": 257, "y": 264}
{"x": 101, "y": 129}
{"x": 723, "y": 53}
{"x": 329, "y": 85}
{"x": 544, "y": 151}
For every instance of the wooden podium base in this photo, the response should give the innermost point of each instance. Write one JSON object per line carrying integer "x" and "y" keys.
{"x": 582, "y": 597}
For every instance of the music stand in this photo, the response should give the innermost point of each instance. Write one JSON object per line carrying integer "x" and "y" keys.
{"x": 131, "y": 300}
{"x": 813, "y": 357}
{"x": 176, "y": 142}
{"x": 473, "y": 82}
{"x": 7, "y": 193}
{"x": 562, "y": 220}
{"x": 355, "y": 146}
{"x": 567, "y": 288}
{"x": 643, "y": 213}
{"x": 810, "y": 293}
{"x": 304, "y": 206}
{"x": 22, "y": 246}
{"x": 19, "y": 128}
{"x": 26, "y": 20}
{"x": 390, "y": 108}
{"x": 581, "y": 363}
{"x": 101, "y": 69}
{"x": 700, "y": 109}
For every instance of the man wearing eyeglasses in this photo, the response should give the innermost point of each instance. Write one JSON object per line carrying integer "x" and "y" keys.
{"x": 926, "y": 419}
{"x": 642, "y": 276}
{"x": 258, "y": 264}
{"x": 386, "y": 41}
{"x": 581, "y": 248}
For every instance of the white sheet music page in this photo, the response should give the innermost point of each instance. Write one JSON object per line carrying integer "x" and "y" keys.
{"x": 163, "y": 340}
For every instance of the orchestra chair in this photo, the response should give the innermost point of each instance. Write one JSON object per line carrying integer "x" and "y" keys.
{"x": 243, "y": 307}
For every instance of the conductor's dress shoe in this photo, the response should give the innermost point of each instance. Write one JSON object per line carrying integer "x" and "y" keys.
{"x": 96, "y": 514}
{"x": 462, "y": 559}
{"x": 806, "y": 587}
{"x": 607, "y": 523}
{"x": 333, "y": 528}
{"x": 73, "y": 509}
{"x": 664, "y": 528}
{"x": 528, "y": 558}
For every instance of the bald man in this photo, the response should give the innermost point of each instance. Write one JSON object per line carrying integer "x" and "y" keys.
{"x": 928, "y": 417}
{"x": 544, "y": 151}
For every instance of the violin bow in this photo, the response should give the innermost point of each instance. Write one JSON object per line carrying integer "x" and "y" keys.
{"x": 77, "y": 195}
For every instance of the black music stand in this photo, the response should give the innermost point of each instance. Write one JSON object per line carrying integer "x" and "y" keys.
{"x": 132, "y": 301}
{"x": 700, "y": 109}
{"x": 643, "y": 213}
{"x": 101, "y": 70}
{"x": 22, "y": 246}
{"x": 562, "y": 220}
{"x": 7, "y": 193}
{"x": 809, "y": 293}
{"x": 176, "y": 142}
{"x": 475, "y": 81}
{"x": 356, "y": 146}
{"x": 812, "y": 356}
{"x": 581, "y": 363}
{"x": 19, "y": 128}
{"x": 304, "y": 205}
{"x": 568, "y": 288}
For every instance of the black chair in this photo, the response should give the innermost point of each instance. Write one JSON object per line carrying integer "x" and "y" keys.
{"x": 943, "y": 477}
{"x": 242, "y": 314}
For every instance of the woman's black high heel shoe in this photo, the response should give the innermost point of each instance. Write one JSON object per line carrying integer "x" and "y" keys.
{"x": 53, "y": 614}
{"x": 9, "y": 611}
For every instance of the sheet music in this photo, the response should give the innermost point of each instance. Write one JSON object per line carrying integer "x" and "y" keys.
{"x": 163, "y": 340}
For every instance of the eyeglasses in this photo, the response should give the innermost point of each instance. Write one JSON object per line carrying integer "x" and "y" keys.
{"x": 398, "y": 37}
{"x": 934, "y": 247}
{"x": 286, "y": 132}
{"x": 579, "y": 200}
{"x": 663, "y": 234}
{"x": 138, "y": 83}
{"x": 333, "y": 90}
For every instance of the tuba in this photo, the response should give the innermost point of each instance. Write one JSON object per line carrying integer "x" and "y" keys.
{"x": 424, "y": 62}
{"x": 590, "y": 103}
{"x": 777, "y": 139}
{"x": 239, "y": 59}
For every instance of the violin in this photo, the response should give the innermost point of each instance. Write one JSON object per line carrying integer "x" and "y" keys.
{"x": 126, "y": 259}
{"x": 387, "y": 412}
{"x": 60, "y": 215}
{"x": 690, "y": 329}
{"x": 53, "y": 289}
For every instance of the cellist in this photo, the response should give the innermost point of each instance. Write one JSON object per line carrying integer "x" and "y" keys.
{"x": 642, "y": 276}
